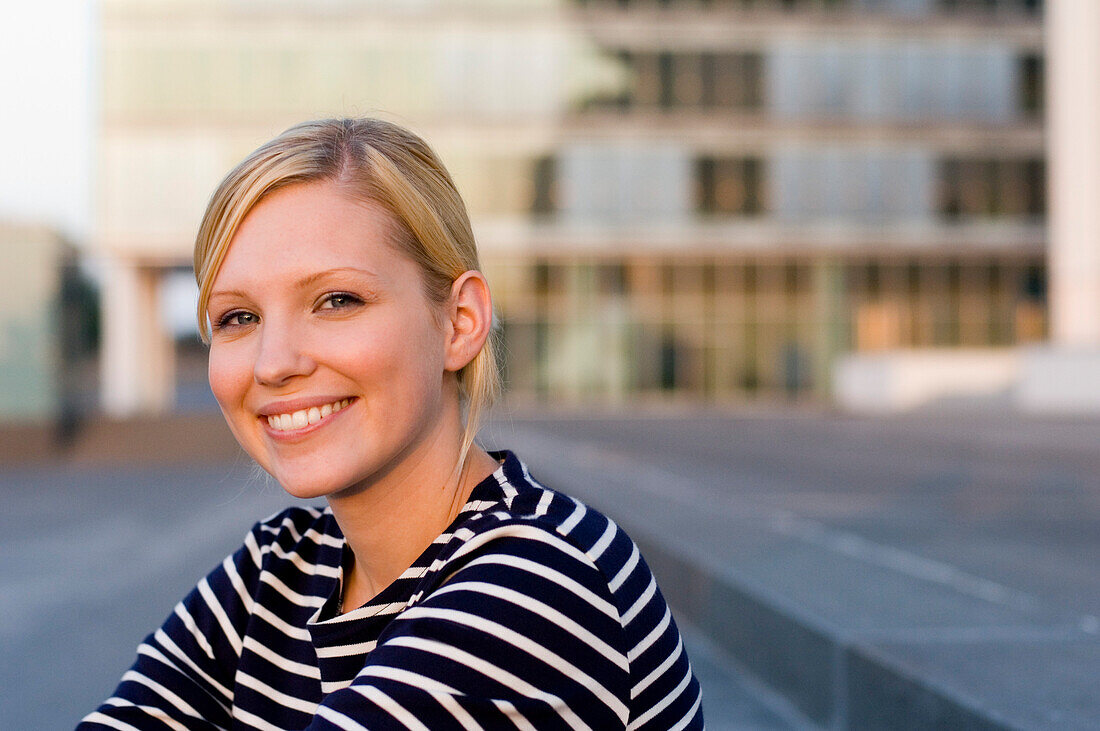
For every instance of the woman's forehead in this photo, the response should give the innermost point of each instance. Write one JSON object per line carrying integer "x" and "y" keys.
{"x": 304, "y": 230}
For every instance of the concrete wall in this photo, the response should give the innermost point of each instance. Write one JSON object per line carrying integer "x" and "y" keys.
{"x": 903, "y": 380}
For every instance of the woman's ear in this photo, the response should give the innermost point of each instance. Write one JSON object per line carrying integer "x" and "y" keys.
{"x": 469, "y": 317}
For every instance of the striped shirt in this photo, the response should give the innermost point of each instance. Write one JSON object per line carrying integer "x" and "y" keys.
{"x": 531, "y": 611}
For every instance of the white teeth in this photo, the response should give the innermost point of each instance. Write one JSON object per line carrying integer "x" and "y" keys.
{"x": 305, "y": 417}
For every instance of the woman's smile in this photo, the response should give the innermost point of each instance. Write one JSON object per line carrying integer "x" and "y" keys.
{"x": 287, "y": 419}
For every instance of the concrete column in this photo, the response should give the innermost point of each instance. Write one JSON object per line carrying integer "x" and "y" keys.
{"x": 158, "y": 354}
{"x": 137, "y": 362}
{"x": 1062, "y": 378}
{"x": 1072, "y": 47}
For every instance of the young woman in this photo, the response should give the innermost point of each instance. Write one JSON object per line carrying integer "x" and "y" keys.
{"x": 442, "y": 587}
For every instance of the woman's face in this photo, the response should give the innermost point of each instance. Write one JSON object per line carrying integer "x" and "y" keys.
{"x": 326, "y": 356}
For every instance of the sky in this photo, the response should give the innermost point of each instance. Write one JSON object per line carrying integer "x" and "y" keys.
{"x": 46, "y": 77}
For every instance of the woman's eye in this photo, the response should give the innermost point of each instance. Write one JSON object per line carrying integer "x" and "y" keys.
{"x": 339, "y": 300}
{"x": 237, "y": 318}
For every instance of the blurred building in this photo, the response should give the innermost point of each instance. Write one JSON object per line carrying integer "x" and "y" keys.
{"x": 45, "y": 326}
{"x": 699, "y": 198}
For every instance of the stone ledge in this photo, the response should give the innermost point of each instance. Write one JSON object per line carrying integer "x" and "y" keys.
{"x": 839, "y": 679}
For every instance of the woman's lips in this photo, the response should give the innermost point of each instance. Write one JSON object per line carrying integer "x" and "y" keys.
{"x": 301, "y": 418}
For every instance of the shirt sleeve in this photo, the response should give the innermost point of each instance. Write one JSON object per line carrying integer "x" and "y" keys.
{"x": 183, "y": 675}
{"x": 522, "y": 633}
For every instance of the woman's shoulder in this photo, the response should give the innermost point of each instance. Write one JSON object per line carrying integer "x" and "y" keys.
{"x": 531, "y": 518}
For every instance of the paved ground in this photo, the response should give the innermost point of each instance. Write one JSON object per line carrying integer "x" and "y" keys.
{"x": 956, "y": 550}
{"x": 95, "y": 555}
{"x": 95, "y": 558}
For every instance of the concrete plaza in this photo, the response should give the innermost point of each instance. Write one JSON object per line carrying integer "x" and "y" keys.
{"x": 928, "y": 571}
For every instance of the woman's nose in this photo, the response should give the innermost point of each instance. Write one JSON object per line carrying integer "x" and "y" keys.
{"x": 281, "y": 357}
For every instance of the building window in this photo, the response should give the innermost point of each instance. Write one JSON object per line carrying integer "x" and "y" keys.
{"x": 544, "y": 199}
{"x": 611, "y": 278}
{"x": 1031, "y": 88}
{"x": 986, "y": 187}
{"x": 704, "y": 81}
{"x": 992, "y": 6}
{"x": 731, "y": 80}
{"x": 728, "y": 186}
{"x": 544, "y": 281}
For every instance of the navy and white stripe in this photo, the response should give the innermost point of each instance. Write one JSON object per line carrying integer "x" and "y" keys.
{"x": 531, "y": 611}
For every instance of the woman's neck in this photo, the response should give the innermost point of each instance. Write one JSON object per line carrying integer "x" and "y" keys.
{"x": 389, "y": 524}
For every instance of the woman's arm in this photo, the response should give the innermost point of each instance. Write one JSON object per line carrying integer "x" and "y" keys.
{"x": 183, "y": 675}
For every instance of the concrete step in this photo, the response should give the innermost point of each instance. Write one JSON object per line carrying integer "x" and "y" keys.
{"x": 733, "y": 700}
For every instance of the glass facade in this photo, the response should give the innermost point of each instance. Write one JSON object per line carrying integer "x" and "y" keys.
{"x": 806, "y": 194}
{"x": 729, "y": 328}
{"x": 674, "y": 198}
{"x": 913, "y": 80}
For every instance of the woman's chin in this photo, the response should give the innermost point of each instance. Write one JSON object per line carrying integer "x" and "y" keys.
{"x": 308, "y": 487}
{"x": 307, "y": 493}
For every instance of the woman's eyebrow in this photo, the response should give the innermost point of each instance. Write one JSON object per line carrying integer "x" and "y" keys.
{"x": 303, "y": 283}
{"x": 217, "y": 293}
{"x": 311, "y": 279}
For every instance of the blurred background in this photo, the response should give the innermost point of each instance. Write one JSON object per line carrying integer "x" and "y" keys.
{"x": 817, "y": 281}
{"x": 701, "y": 200}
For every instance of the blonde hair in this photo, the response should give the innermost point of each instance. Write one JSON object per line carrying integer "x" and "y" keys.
{"x": 375, "y": 161}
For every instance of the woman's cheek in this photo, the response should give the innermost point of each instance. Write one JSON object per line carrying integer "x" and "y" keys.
{"x": 228, "y": 372}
